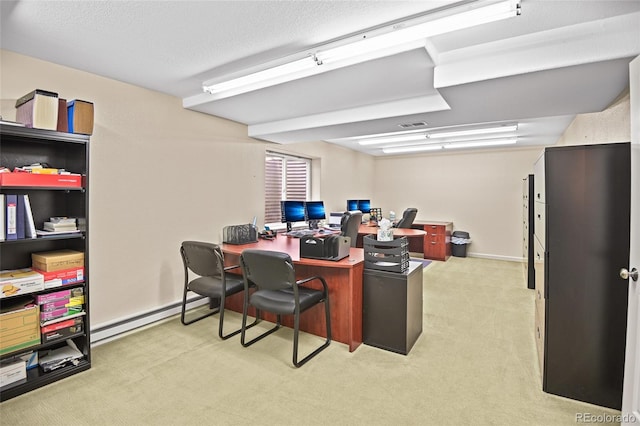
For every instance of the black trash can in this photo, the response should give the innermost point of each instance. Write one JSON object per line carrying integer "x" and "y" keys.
{"x": 459, "y": 242}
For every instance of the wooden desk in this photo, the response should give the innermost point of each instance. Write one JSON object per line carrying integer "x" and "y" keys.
{"x": 344, "y": 279}
{"x": 436, "y": 244}
{"x": 397, "y": 232}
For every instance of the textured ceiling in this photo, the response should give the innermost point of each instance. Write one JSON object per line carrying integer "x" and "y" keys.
{"x": 558, "y": 59}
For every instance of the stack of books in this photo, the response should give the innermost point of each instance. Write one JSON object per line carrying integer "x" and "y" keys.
{"x": 59, "y": 225}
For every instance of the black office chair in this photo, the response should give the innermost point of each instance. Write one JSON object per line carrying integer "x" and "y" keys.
{"x": 278, "y": 292}
{"x": 206, "y": 261}
{"x": 349, "y": 225}
{"x": 408, "y": 217}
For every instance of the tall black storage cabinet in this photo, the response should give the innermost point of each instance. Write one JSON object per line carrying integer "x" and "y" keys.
{"x": 584, "y": 209}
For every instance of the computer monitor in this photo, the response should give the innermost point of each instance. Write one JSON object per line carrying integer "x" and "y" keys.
{"x": 314, "y": 211}
{"x": 352, "y": 205}
{"x": 364, "y": 206}
{"x": 292, "y": 211}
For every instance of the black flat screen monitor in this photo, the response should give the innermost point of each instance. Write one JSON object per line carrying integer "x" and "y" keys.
{"x": 364, "y": 206}
{"x": 315, "y": 210}
{"x": 292, "y": 211}
{"x": 352, "y": 205}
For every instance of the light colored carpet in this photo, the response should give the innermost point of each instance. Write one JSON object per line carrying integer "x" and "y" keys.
{"x": 474, "y": 364}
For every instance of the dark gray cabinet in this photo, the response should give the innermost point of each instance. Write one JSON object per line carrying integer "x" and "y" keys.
{"x": 582, "y": 236}
{"x": 392, "y": 308}
{"x": 527, "y": 230}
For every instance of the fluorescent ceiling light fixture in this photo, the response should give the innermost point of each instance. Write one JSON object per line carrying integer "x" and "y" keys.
{"x": 370, "y": 47}
{"x": 471, "y": 132}
{"x": 393, "y": 139}
{"x": 487, "y": 12}
{"x": 494, "y": 142}
{"x": 270, "y": 76}
{"x": 435, "y": 147}
{"x": 414, "y": 148}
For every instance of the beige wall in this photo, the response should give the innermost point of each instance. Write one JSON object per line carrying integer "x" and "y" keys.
{"x": 611, "y": 125}
{"x": 480, "y": 192}
{"x": 160, "y": 174}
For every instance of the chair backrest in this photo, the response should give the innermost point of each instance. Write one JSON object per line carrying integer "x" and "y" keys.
{"x": 204, "y": 259}
{"x": 408, "y": 217}
{"x": 268, "y": 270}
{"x": 349, "y": 225}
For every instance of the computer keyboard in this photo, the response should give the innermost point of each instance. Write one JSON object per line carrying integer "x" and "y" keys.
{"x": 301, "y": 233}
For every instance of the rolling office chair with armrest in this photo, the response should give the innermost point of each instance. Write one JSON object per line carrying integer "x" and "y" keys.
{"x": 278, "y": 292}
{"x": 349, "y": 225}
{"x": 206, "y": 261}
{"x": 407, "y": 219}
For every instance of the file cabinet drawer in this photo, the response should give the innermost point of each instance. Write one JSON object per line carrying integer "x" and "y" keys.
{"x": 538, "y": 265}
{"x": 538, "y": 181}
{"x": 540, "y": 222}
{"x": 539, "y": 331}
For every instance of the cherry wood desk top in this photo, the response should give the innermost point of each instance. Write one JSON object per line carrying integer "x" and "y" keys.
{"x": 397, "y": 232}
{"x": 291, "y": 246}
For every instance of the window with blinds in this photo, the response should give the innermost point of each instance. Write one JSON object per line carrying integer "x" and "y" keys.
{"x": 286, "y": 178}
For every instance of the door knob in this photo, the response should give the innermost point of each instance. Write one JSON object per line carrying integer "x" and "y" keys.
{"x": 625, "y": 274}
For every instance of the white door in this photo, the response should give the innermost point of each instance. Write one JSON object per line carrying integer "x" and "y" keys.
{"x": 631, "y": 390}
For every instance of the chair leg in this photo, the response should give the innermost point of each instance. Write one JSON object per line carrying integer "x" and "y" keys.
{"x": 261, "y": 336}
{"x": 296, "y": 332}
{"x": 220, "y": 332}
{"x": 184, "y": 307}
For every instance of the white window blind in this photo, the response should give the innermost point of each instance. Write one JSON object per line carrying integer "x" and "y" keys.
{"x": 286, "y": 178}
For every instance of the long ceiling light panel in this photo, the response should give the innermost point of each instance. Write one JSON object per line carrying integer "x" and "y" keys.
{"x": 392, "y": 139}
{"x": 449, "y": 145}
{"x": 368, "y": 48}
{"x": 473, "y": 132}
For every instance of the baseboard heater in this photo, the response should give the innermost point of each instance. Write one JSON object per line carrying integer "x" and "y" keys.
{"x": 109, "y": 332}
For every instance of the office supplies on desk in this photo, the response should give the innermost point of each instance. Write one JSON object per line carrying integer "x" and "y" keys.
{"x": 240, "y": 234}
{"x": 301, "y": 233}
{"x": 332, "y": 247}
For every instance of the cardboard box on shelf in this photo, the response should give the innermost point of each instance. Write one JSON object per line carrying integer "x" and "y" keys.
{"x": 40, "y": 180}
{"x": 19, "y": 329}
{"x": 62, "y": 333}
{"x": 30, "y": 357}
{"x": 38, "y": 109}
{"x": 15, "y": 282}
{"x": 12, "y": 372}
{"x": 57, "y": 260}
{"x": 80, "y": 116}
{"x": 65, "y": 276}
{"x": 59, "y": 295}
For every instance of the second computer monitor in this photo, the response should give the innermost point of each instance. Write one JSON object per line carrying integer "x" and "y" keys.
{"x": 315, "y": 210}
{"x": 363, "y": 205}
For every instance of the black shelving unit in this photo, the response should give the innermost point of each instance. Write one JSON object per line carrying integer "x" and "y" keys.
{"x": 20, "y": 146}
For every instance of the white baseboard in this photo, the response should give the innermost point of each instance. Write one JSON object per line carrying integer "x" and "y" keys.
{"x": 496, "y": 257}
{"x": 104, "y": 333}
